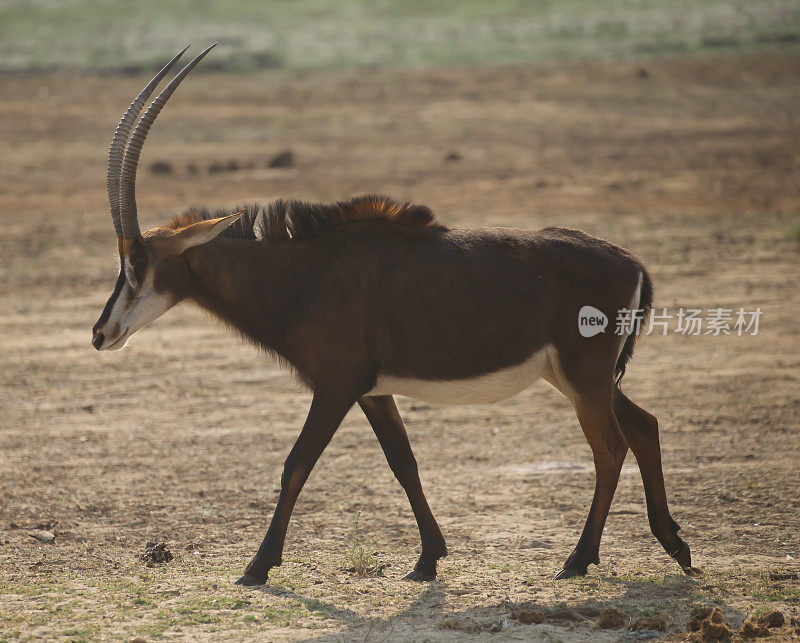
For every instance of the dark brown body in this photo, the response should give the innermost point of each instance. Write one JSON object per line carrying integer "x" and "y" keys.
{"x": 352, "y": 300}
{"x": 367, "y": 298}
{"x": 409, "y": 305}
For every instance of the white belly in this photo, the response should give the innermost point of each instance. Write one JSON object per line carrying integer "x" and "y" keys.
{"x": 484, "y": 389}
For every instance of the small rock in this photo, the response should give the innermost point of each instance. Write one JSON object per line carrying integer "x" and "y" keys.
{"x": 282, "y": 159}
{"x": 708, "y": 624}
{"x": 452, "y": 156}
{"x": 156, "y": 553}
{"x": 752, "y": 630}
{"x": 713, "y": 631}
{"x": 42, "y": 535}
{"x": 698, "y": 615}
{"x": 773, "y": 618}
{"x": 161, "y": 167}
{"x": 642, "y": 73}
{"x": 655, "y": 622}
{"x": 611, "y": 618}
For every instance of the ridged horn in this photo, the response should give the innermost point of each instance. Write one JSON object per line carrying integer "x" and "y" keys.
{"x": 127, "y": 186}
{"x": 116, "y": 152}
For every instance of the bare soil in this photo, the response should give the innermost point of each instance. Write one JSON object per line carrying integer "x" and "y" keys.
{"x": 180, "y": 438}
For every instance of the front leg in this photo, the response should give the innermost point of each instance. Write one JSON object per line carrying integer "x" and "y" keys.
{"x": 381, "y": 411}
{"x": 326, "y": 414}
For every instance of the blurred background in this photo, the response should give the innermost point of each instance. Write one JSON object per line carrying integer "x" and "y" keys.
{"x": 668, "y": 127}
{"x": 306, "y": 35}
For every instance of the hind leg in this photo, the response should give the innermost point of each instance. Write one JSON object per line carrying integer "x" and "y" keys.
{"x": 608, "y": 449}
{"x": 641, "y": 431}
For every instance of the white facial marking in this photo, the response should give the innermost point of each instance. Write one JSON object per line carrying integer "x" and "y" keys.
{"x": 130, "y": 276}
{"x": 484, "y": 389}
{"x": 132, "y": 310}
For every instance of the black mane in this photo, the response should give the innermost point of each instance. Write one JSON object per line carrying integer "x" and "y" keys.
{"x": 287, "y": 219}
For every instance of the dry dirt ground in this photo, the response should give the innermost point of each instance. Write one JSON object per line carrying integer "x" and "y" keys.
{"x": 181, "y": 437}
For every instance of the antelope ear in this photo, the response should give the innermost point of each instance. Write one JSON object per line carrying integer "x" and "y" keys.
{"x": 202, "y": 232}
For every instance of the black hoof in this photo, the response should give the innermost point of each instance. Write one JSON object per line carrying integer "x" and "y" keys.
{"x": 419, "y": 576}
{"x": 683, "y": 555}
{"x": 569, "y": 573}
{"x": 692, "y": 571}
{"x": 250, "y": 581}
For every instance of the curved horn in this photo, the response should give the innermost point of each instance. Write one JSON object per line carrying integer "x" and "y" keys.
{"x": 117, "y": 150}
{"x": 127, "y": 186}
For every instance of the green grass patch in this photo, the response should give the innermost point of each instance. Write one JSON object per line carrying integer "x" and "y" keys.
{"x": 362, "y": 555}
{"x": 777, "y": 593}
{"x": 82, "y": 632}
{"x": 315, "y": 34}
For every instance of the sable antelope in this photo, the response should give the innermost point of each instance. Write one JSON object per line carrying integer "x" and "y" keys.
{"x": 369, "y": 298}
